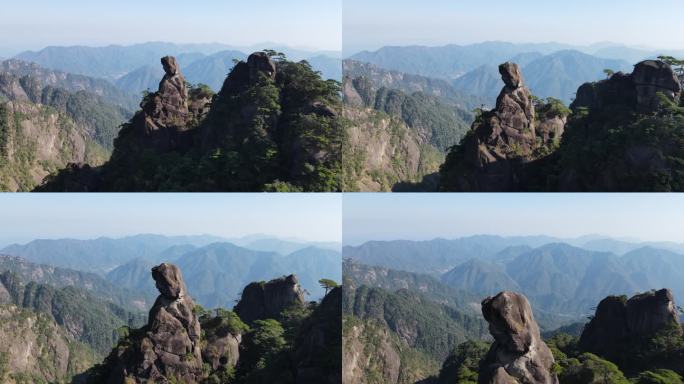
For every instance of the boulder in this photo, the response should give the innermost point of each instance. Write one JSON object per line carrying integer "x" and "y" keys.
{"x": 518, "y": 354}
{"x": 260, "y": 62}
{"x": 637, "y": 90}
{"x": 618, "y": 320}
{"x": 262, "y": 300}
{"x": 511, "y": 75}
{"x": 168, "y": 107}
{"x": 651, "y": 77}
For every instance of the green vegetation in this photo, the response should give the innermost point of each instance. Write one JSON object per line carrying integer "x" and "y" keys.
{"x": 639, "y": 152}
{"x": 652, "y": 359}
{"x": 52, "y": 356}
{"x": 463, "y": 364}
{"x": 265, "y": 134}
{"x": 327, "y": 284}
{"x": 381, "y": 350}
{"x": 89, "y": 320}
{"x": 441, "y": 328}
{"x": 32, "y": 154}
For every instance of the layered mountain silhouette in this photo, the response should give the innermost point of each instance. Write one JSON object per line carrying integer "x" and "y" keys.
{"x": 557, "y": 278}
{"x": 216, "y": 270}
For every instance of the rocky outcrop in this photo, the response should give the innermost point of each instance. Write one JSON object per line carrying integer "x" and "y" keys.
{"x": 618, "y": 320}
{"x": 169, "y": 348}
{"x": 168, "y": 107}
{"x": 360, "y": 357}
{"x": 221, "y": 347}
{"x": 637, "y": 90}
{"x": 502, "y": 141}
{"x": 318, "y": 347}
{"x": 37, "y": 350}
{"x": 518, "y": 354}
{"x": 266, "y": 300}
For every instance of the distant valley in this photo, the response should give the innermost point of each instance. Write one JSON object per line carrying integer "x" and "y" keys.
{"x": 135, "y": 68}
{"x": 552, "y": 69}
{"x": 557, "y": 277}
{"x": 413, "y": 309}
{"x": 215, "y": 268}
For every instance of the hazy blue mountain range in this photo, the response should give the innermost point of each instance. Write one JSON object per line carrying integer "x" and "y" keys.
{"x": 550, "y": 70}
{"x": 556, "y": 74}
{"x": 101, "y": 254}
{"x": 214, "y": 269}
{"x": 556, "y": 277}
{"x": 135, "y": 68}
{"x": 452, "y": 61}
{"x": 435, "y": 256}
{"x": 217, "y": 273}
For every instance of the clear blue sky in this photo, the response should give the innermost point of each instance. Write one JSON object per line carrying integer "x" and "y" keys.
{"x": 370, "y": 24}
{"x": 652, "y": 217}
{"x": 313, "y": 217}
{"x": 37, "y": 23}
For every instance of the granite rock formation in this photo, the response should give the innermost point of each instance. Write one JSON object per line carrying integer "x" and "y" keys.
{"x": 261, "y": 300}
{"x": 637, "y": 90}
{"x": 222, "y": 347}
{"x": 503, "y": 140}
{"x": 318, "y": 347}
{"x": 518, "y": 354}
{"x": 618, "y": 320}
{"x": 169, "y": 349}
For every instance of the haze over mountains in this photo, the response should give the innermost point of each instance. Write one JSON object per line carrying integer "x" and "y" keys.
{"x": 560, "y": 277}
{"x": 135, "y": 68}
{"x": 551, "y": 69}
{"x": 215, "y": 268}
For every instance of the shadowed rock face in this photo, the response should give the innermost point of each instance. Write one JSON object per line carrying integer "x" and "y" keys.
{"x": 259, "y": 62}
{"x": 637, "y": 90}
{"x": 518, "y": 354}
{"x": 318, "y": 348}
{"x": 503, "y": 139}
{"x": 170, "y": 347}
{"x": 169, "y": 106}
{"x": 618, "y": 320}
{"x": 261, "y": 301}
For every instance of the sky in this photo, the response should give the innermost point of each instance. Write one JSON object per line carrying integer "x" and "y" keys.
{"x": 34, "y": 24}
{"x": 311, "y": 217}
{"x": 645, "y": 217}
{"x": 372, "y": 24}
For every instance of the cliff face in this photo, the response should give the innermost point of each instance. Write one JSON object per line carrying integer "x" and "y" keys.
{"x": 318, "y": 347}
{"x": 35, "y": 140}
{"x": 381, "y": 153}
{"x": 260, "y": 301}
{"x": 35, "y": 347}
{"x": 618, "y": 321}
{"x": 625, "y": 133}
{"x": 518, "y": 355}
